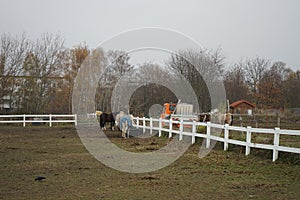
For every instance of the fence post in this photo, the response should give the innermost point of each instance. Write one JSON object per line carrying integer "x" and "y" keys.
{"x": 208, "y": 129}
{"x": 144, "y": 125}
{"x": 24, "y": 120}
{"x": 248, "y": 141}
{"x": 137, "y": 122}
{"x": 151, "y": 125}
{"x": 75, "y": 118}
{"x": 276, "y": 144}
{"x": 50, "y": 120}
{"x": 170, "y": 127}
{"x": 193, "y": 131}
{"x": 226, "y": 136}
{"x": 180, "y": 129}
{"x": 160, "y": 127}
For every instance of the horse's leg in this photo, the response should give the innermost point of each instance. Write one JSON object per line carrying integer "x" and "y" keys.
{"x": 124, "y": 129}
{"x": 123, "y": 134}
{"x": 112, "y": 124}
{"x": 103, "y": 125}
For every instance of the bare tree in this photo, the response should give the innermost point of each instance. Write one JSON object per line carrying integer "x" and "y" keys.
{"x": 201, "y": 69}
{"x": 291, "y": 90}
{"x": 154, "y": 88}
{"x": 234, "y": 81}
{"x": 117, "y": 65}
{"x": 119, "y": 62}
{"x": 43, "y": 69}
{"x": 281, "y": 69}
{"x": 254, "y": 71}
{"x": 13, "y": 51}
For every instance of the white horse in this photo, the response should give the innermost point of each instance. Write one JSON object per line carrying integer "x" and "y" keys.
{"x": 226, "y": 118}
{"x": 118, "y": 117}
{"x": 124, "y": 122}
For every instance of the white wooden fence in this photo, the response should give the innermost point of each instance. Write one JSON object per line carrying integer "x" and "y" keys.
{"x": 7, "y": 119}
{"x": 91, "y": 115}
{"x": 157, "y": 124}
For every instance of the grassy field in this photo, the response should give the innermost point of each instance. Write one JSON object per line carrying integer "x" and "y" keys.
{"x": 72, "y": 173}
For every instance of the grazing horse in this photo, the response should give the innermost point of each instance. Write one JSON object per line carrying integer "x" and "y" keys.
{"x": 105, "y": 117}
{"x": 226, "y": 118}
{"x": 125, "y": 122}
{"x": 118, "y": 117}
{"x": 204, "y": 117}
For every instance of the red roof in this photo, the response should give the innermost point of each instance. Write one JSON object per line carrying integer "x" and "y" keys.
{"x": 235, "y": 104}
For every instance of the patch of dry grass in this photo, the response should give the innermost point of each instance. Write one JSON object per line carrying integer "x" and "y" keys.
{"x": 72, "y": 173}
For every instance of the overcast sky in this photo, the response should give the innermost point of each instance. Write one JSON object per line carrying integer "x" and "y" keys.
{"x": 243, "y": 29}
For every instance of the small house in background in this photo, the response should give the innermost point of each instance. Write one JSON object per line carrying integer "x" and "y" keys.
{"x": 242, "y": 107}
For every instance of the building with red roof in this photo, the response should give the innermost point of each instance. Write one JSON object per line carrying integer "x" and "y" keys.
{"x": 242, "y": 107}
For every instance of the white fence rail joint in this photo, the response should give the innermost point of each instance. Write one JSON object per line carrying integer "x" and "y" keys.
{"x": 248, "y": 143}
{"x": 9, "y": 119}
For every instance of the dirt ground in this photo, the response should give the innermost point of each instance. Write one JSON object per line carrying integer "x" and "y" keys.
{"x": 72, "y": 173}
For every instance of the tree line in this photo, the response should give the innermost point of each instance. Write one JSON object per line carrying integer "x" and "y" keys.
{"x": 268, "y": 85}
{"x": 37, "y": 76}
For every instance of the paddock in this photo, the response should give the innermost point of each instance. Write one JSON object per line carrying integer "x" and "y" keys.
{"x": 57, "y": 154}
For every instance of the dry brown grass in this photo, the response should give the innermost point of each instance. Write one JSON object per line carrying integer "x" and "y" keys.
{"x": 72, "y": 173}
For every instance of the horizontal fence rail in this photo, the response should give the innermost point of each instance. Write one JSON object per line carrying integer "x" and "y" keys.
{"x": 10, "y": 119}
{"x": 166, "y": 125}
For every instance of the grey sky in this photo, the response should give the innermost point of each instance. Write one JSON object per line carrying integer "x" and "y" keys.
{"x": 243, "y": 29}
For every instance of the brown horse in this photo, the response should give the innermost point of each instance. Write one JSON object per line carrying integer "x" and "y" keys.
{"x": 204, "y": 117}
{"x": 107, "y": 117}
